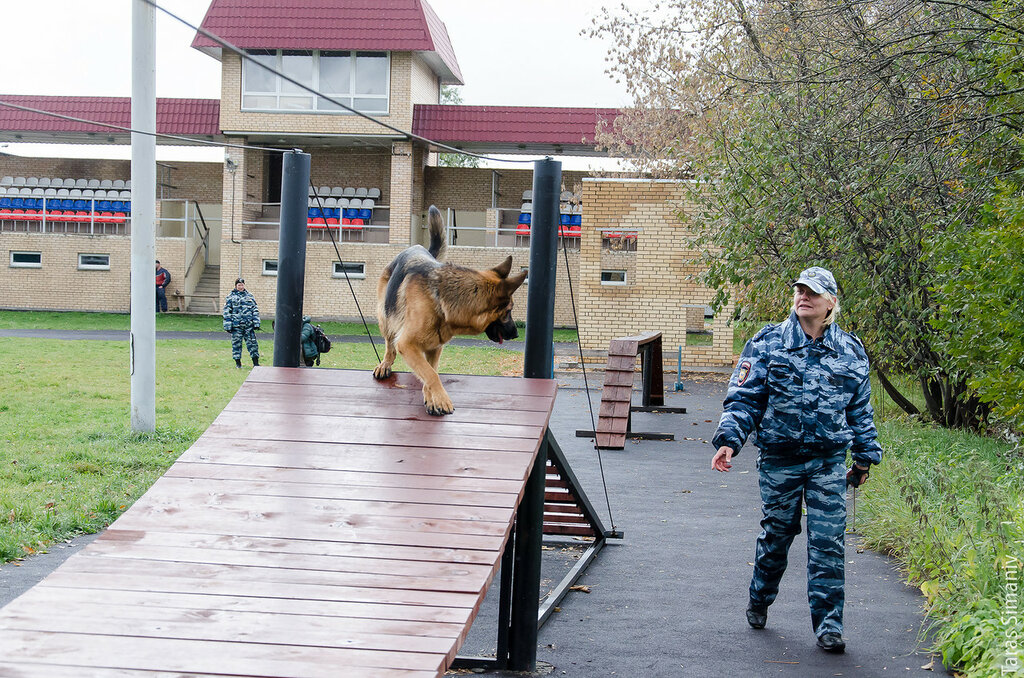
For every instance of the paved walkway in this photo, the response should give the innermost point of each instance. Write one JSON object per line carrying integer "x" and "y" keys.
{"x": 668, "y": 600}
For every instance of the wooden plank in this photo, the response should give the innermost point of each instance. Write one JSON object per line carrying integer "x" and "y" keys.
{"x": 261, "y": 468}
{"x": 290, "y": 561}
{"x": 397, "y": 506}
{"x": 209, "y": 657}
{"x": 315, "y": 428}
{"x": 200, "y": 604}
{"x": 456, "y": 383}
{"x": 228, "y": 486}
{"x": 295, "y": 399}
{"x": 363, "y": 459}
{"x": 295, "y": 546}
{"x": 249, "y": 586}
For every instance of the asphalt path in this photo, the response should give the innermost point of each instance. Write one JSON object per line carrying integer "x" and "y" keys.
{"x": 669, "y": 598}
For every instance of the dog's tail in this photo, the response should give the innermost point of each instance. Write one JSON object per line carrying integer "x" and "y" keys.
{"x": 438, "y": 237}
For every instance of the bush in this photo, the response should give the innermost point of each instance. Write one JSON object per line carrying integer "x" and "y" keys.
{"x": 950, "y": 506}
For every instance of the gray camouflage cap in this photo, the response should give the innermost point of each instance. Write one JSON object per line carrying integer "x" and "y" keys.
{"x": 818, "y": 279}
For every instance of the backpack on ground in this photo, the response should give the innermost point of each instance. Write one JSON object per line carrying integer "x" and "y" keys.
{"x": 323, "y": 344}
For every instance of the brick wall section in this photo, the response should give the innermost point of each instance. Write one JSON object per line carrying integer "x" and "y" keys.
{"x": 401, "y": 191}
{"x": 369, "y": 168}
{"x": 196, "y": 181}
{"x": 470, "y": 188}
{"x": 232, "y": 119}
{"x": 60, "y": 286}
{"x": 426, "y": 87}
{"x": 660, "y": 288}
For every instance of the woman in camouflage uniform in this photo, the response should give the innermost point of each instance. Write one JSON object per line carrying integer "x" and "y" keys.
{"x": 242, "y": 319}
{"x": 803, "y": 386}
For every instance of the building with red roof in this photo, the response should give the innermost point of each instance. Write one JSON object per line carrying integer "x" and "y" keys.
{"x": 357, "y": 85}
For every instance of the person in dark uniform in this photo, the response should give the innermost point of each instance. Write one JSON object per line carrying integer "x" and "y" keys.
{"x": 242, "y": 319}
{"x": 163, "y": 279}
{"x": 803, "y": 386}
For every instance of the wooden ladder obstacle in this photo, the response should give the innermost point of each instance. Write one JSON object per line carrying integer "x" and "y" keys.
{"x": 323, "y": 525}
{"x": 615, "y": 421}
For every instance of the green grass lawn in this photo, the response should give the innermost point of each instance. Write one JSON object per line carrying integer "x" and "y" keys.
{"x": 69, "y": 463}
{"x": 180, "y": 322}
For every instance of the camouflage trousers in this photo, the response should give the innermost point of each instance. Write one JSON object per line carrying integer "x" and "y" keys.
{"x": 249, "y": 335}
{"x": 785, "y": 486}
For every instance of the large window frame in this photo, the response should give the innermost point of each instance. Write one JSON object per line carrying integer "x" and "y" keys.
{"x": 367, "y": 90}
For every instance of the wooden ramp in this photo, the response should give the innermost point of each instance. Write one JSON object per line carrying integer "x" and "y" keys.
{"x": 323, "y": 526}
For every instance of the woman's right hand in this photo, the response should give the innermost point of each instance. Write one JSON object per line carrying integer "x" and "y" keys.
{"x": 721, "y": 460}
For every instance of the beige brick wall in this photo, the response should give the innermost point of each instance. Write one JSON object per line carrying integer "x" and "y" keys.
{"x": 660, "y": 293}
{"x": 470, "y": 188}
{"x": 60, "y": 285}
{"x": 196, "y": 181}
{"x": 232, "y": 119}
{"x": 426, "y": 87}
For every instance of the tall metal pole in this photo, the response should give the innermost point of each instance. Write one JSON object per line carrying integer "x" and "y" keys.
{"x": 291, "y": 258}
{"x": 538, "y": 363}
{"x": 143, "y": 248}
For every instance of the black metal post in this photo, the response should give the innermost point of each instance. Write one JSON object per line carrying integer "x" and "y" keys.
{"x": 291, "y": 258}
{"x": 540, "y": 302}
{"x": 538, "y": 363}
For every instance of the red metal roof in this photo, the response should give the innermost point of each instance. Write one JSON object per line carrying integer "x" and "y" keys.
{"x": 522, "y": 125}
{"x": 387, "y": 25}
{"x": 188, "y": 117}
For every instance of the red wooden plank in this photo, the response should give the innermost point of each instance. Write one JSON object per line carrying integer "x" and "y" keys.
{"x": 314, "y": 428}
{"x": 356, "y": 492}
{"x": 287, "y": 561}
{"x": 386, "y": 397}
{"x": 455, "y": 383}
{"x": 361, "y": 458}
{"x": 296, "y": 399}
{"x": 169, "y": 498}
{"x": 232, "y": 659}
{"x": 200, "y": 604}
{"x": 254, "y": 467}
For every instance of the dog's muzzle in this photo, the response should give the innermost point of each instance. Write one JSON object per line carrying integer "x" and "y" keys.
{"x": 500, "y": 331}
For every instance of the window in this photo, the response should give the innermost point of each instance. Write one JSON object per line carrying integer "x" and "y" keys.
{"x": 26, "y": 259}
{"x": 356, "y": 79}
{"x": 612, "y": 277}
{"x": 355, "y": 270}
{"x": 270, "y": 267}
{"x": 94, "y": 262}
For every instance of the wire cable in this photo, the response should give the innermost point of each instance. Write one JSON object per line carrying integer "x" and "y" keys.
{"x": 366, "y": 327}
{"x": 240, "y": 52}
{"x": 586, "y": 386}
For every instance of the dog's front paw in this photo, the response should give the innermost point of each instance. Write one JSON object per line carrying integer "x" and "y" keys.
{"x": 382, "y": 371}
{"x": 438, "y": 404}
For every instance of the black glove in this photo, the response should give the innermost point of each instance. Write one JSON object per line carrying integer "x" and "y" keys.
{"x": 857, "y": 475}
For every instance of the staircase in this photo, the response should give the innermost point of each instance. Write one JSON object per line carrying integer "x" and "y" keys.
{"x": 206, "y": 297}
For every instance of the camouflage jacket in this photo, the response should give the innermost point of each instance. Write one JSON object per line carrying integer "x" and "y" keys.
{"x": 240, "y": 311}
{"x": 803, "y": 397}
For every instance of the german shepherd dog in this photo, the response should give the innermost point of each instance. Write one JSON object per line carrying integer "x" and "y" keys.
{"x": 422, "y": 303}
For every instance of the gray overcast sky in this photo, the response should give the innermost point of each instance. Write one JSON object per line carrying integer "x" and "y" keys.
{"x": 524, "y": 52}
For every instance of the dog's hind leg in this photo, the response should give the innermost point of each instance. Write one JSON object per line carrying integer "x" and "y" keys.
{"x": 435, "y": 398}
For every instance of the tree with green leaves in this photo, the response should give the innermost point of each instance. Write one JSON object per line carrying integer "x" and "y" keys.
{"x": 451, "y": 95}
{"x": 860, "y": 136}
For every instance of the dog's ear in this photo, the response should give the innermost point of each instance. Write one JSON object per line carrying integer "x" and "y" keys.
{"x": 503, "y": 268}
{"x": 513, "y": 283}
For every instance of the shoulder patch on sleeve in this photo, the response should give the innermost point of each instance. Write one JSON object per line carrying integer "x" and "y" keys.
{"x": 743, "y": 372}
